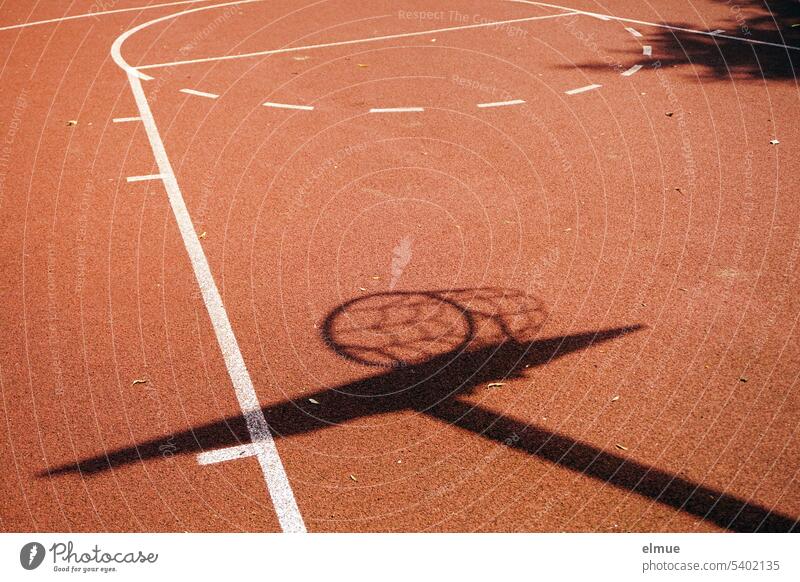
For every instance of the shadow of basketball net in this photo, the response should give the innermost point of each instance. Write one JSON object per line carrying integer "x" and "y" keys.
{"x": 430, "y": 348}
{"x": 401, "y": 329}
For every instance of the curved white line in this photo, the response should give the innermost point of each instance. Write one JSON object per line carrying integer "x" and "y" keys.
{"x": 94, "y": 14}
{"x": 120, "y": 40}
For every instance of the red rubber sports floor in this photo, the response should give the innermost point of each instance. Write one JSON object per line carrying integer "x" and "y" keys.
{"x": 477, "y": 266}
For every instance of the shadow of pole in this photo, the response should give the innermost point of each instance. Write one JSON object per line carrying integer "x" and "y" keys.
{"x": 433, "y": 347}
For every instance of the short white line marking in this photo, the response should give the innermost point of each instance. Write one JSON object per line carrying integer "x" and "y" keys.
{"x": 633, "y": 70}
{"x": 396, "y": 110}
{"x": 582, "y": 89}
{"x": 91, "y": 14}
{"x": 647, "y": 50}
{"x": 288, "y": 106}
{"x": 199, "y": 93}
{"x": 227, "y": 454}
{"x": 266, "y": 452}
{"x": 348, "y": 42}
{"x": 718, "y": 31}
{"x": 656, "y": 24}
{"x": 125, "y": 119}
{"x": 147, "y": 177}
{"x": 634, "y": 32}
{"x": 502, "y": 103}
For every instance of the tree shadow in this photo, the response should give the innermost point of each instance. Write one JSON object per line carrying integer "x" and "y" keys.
{"x": 431, "y": 348}
{"x": 723, "y": 58}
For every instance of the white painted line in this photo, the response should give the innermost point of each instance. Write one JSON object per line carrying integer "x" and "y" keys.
{"x": 501, "y": 103}
{"x": 718, "y": 31}
{"x": 227, "y": 454}
{"x": 632, "y": 71}
{"x": 288, "y": 106}
{"x": 349, "y": 42}
{"x": 147, "y": 177}
{"x": 655, "y": 24}
{"x": 601, "y": 17}
{"x": 396, "y": 110}
{"x": 266, "y": 452}
{"x": 582, "y": 89}
{"x": 116, "y": 47}
{"x": 647, "y": 50}
{"x": 93, "y": 14}
{"x": 634, "y": 32}
{"x": 199, "y": 93}
{"x": 125, "y": 119}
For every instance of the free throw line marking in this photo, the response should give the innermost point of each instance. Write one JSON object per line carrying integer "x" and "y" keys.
{"x": 348, "y": 42}
{"x": 199, "y": 93}
{"x": 582, "y": 89}
{"x": 226, "y": 454}
{"x": 633, "y": 70}
{"x": 144, "y": 178}
{"x": 502, "y": 103}
{"x": 288, "y": 106}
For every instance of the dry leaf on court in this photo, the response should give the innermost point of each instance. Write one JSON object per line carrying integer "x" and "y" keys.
{"x": 138, "y": 381}
{"x": 496, "y": 384}
{"x": 312, "y": 401}
{"x": 622, "y": 447}
{"x": 353, "y": 478}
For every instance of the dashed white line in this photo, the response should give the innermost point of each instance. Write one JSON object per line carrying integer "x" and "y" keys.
{"x": 396, "y": 109}
{"x": 633, "y": 70}
{"x": 147, "y": 177}
{"x": 502, "y": 103}
{"x": 634, "y": 32}
{"x": 647, "y": 50}
{"x": 288, "y": 106}
{"x": 582, "y": 89}
{"x": 199, "y": 93}
{"x": 125, "y": 119}
{"x": 227, "y": 454}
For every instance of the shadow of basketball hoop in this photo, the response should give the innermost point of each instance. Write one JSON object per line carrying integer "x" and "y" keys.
{"x": 430, "y": 348}
{"x": 398, "y": 329}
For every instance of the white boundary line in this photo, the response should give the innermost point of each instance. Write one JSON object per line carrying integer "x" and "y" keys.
{"x": 199, "y": 93}
{"x": 125, "y": 119}
{"x": 92, "y": 14}
{"x": 348, "y": 42}
{"x": 397, "y": 110}
{"x": 265, "y": 450}
{"x": 288, "y": 106}
{"x": 582, "y": 89}
{"x": 502, "y": 103}
{"x": 656, "y": 24}
{"x": 633, "y": 32}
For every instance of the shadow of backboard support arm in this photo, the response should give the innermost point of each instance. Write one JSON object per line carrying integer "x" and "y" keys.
{"x": 445, "y": 378}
